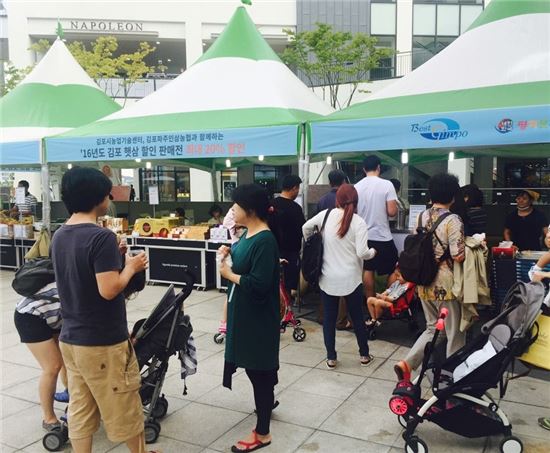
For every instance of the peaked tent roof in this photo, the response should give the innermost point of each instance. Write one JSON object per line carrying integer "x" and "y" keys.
{"x": 491, "y": 86}
{"x": 237, "y": 100}
{"x": 56, "y": 96}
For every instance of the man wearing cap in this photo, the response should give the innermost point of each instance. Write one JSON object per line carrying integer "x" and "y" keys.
{"x": 527, "y": 225}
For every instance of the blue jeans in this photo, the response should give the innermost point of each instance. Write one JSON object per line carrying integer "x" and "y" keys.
{"x": 354, "y": 302}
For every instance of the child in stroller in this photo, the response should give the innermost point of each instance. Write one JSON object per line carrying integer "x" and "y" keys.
{"x": 395, "y": 301}
{"x": 461, "y": 402}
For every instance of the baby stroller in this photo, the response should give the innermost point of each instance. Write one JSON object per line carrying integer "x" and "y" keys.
{"x": 287, "y": 315}
{"x": 405, "y": 309}
{"x": 164, "y": 333}
{"x": 461, "y": 402}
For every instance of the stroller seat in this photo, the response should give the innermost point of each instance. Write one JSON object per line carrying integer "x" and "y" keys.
{"x": 498, "y": 340}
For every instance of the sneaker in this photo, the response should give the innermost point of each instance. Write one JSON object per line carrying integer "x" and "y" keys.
{"x": 331, "y": 364}
{"x": 366, "y": 360}
{"x": 61, "y": 397}
{"x": 402, "y": 370}
{"x": 51, "y": 426}
{"x": 222, "y": 327}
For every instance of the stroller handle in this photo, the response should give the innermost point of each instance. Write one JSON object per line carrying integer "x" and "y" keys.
{"x": 440, "y": 324}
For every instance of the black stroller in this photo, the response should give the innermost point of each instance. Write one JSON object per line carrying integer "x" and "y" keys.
{"x": 164, "y": 333}
{"x": 461, "y": 402}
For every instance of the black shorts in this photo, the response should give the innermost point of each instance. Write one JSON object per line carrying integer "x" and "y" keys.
{"x": 292, "y": 269}
{"x": 33, "y": 329}
{"x": 385, "y": 260}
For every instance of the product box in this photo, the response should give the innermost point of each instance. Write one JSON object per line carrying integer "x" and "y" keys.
{"x": 6, "y": 230}
{"x": 23, "y": 231}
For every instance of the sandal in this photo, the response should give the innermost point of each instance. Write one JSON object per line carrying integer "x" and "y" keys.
{"x": 544, "y": 422}
{"x": 403, "y": 371}
{"x": 331, "y": 364}
{"x": 366, "y": 360}
{"x": 250, "y": 446}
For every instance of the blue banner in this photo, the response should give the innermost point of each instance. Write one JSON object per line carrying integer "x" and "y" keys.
{"x": 20, "y": 153}
{"x": 223, "y": 143}
{"x": 439, "y": 130}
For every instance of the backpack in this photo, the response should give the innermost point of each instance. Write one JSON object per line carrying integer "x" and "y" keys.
{"x": 312, "y": 256}
{"x": 32, "y": 276}
{"x": 417, "y": 262}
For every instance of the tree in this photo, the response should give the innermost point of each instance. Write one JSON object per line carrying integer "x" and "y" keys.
{"x": 103, "y": 66}
{"x": 12, "y": 77}
{"x": 332, "y": 58}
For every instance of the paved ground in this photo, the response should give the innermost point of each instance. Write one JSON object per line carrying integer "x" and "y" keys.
{"x": 321, "y": 410}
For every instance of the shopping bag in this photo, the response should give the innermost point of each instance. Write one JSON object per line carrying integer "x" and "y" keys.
{"x": 538, "y": 353}
{"x": 41, "y": 248}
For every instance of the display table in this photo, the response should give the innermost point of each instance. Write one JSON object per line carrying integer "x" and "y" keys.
{"x": 13, "y": 251}
{"x": 168, "y": 257}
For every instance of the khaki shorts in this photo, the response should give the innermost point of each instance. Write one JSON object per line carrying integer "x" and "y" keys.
{"x": 104, "y": 383}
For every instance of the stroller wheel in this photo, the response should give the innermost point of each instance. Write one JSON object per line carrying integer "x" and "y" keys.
{"x": 152, "y": 432}
{"x": 54, "y": 440}
{"x": 218, "y": 338}
{"x": 399, "y": 405}
{"x": 415, "y": 445}
{"x": 372, "y": 334}
{"x": 299, "y": 334}
{"x": 298, "y": 322}
{"x": 161, "y": 408}
{"x": 511, "y": 445}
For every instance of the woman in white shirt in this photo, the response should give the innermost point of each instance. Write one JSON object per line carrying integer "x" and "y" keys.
{"x": 345, "y": 242}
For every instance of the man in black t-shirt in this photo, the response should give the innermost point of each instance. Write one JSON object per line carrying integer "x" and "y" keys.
{"x": 102, "y": 369}
{"x": 287, "y": 227}
{"x": 527, "y": 225}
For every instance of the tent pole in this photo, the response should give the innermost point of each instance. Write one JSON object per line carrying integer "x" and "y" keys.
{"x": 214, "y": 183}
{"x": 45, "y": 179}
{"x": 303, "y": 170}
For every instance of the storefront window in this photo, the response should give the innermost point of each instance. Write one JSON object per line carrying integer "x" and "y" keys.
{"x": 173, "y": 183}
{"x": 228, "y": 184}
{"x": 271, "y": 177}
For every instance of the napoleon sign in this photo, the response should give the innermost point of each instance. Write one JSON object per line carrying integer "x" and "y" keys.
{"x": 106, "y": 25}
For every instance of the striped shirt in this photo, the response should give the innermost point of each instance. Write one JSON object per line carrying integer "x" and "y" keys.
{"x": 29, "y": 207}
{"x": 45, "y": 305}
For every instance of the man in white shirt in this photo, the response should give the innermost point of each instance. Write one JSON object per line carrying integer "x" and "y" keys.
{"x": 377, "y": 202}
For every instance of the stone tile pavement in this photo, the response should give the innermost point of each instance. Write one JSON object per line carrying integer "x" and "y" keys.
{"x": 343, "y": 410}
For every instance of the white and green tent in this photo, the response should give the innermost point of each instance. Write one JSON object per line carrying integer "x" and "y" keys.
{"x": 490, "y": 88}
{"x": 236, "y": 102}
{"x": 56, "y": 96}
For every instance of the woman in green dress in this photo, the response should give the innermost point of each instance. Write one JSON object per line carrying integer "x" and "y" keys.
{"x": 252, "y": 340}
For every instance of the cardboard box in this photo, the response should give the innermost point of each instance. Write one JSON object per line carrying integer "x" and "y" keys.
{"x": 23, "y": 231}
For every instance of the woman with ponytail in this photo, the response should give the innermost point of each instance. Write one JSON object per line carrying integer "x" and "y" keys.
{"x": 345, "y": 244}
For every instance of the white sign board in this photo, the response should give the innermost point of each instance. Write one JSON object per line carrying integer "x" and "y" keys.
{"x": 153, "y": 195}
{"x": 414, "y": 211}
{"x": 20, "y": 195}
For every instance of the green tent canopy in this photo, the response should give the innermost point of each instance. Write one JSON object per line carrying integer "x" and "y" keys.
{"x": 56, "y": 96}
{"x": 238, "y": 101}
{"x": 486, "y": 93}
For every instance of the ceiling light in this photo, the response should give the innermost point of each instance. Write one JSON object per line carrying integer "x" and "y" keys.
{"x": 404, "y": 157}
{"x": 69, "y": 166}
{"x": 138, "y": 160}
{"x": 329, "y": 160}
{"x": 451, "y": 156}
{"x": 148, "y": 165}
{"x": 228, "y": 163}
{"x": 261, "y": 157}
